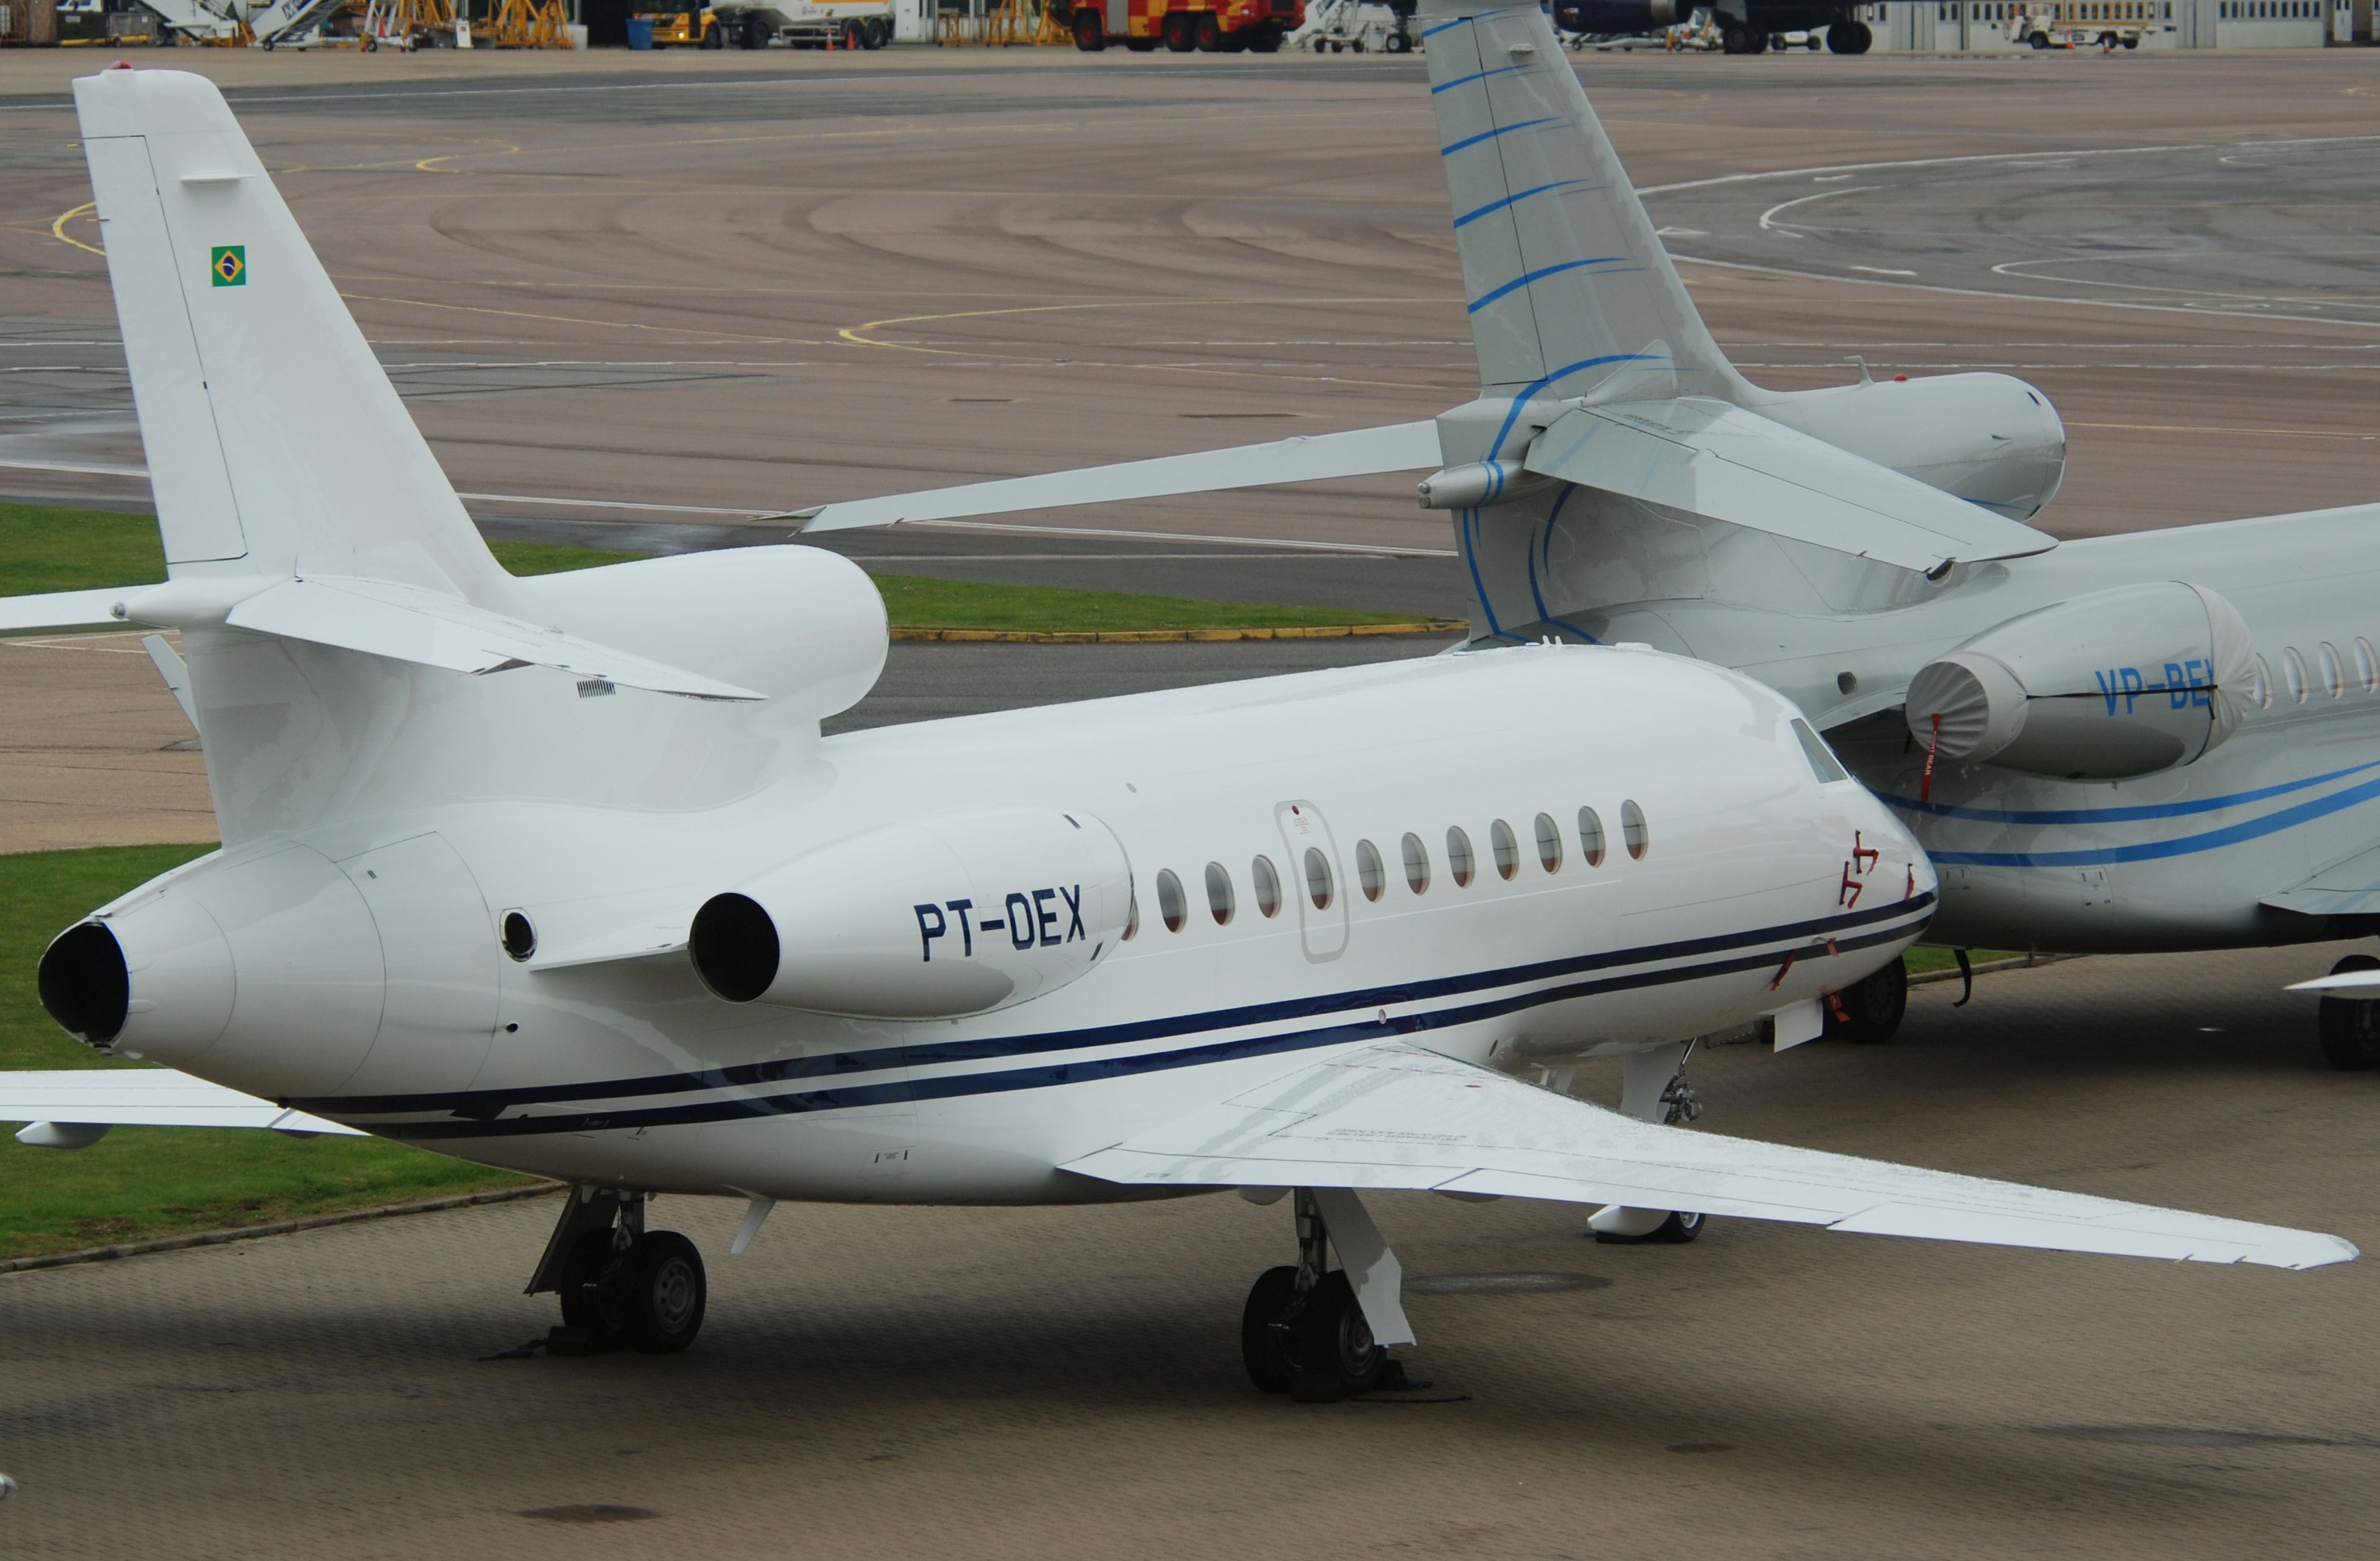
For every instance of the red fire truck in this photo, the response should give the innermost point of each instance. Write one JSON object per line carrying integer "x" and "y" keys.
{"x": 1213, "y": 27}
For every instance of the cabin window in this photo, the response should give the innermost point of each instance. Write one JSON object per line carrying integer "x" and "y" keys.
{"x": 2260, "y": 684}
{"x": 1416, "y": 865}
{"x": 2332, "y": 677}
{"x": 1318, "y": 887}
{"x": 1506, "y": 850}
{"x": 1633, "y": 832}
{"x": 2367, "y": 666}
{"x": 1590, "y": 836}
{"x": 1370, "y": 875}
{"x": 1172, "y": 908}
{"x": 1823, "y": 762}
{"x": 2293, "y": 672}
{"x": 1267, "y": 884}
{"x": 1221, "y": 902}
{"x": 1459, "y": 860}
{"x": 1550, "y": 847}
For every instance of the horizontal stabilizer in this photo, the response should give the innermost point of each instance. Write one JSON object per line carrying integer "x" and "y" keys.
{"x": 1707, "y": 458}
{"x": 146, "y": 1097}
{"x": 1395, "y": 1116}
{"x": 406, "y": 623}
{"x": 1361, "y": 452}
{"x": 63, "y": 609}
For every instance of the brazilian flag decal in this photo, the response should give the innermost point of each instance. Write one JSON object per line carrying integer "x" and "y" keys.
{"x": 229, "y": 264}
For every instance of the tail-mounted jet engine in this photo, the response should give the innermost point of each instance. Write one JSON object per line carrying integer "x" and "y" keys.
{"x": 2120, "y": 683}
{"x": 1989, "y": 439}
{"x": 959, "y": 913}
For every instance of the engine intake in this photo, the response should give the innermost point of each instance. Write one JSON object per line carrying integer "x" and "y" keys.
{"x": 2116, "y": 684}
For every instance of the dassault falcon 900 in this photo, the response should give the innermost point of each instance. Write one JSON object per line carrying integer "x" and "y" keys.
{"x": 559, "y": 874}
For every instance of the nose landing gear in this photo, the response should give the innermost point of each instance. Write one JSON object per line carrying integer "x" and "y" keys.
{"x": 619, "y": 1284}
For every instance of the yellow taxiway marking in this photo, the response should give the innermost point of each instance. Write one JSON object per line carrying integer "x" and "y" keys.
{"x": 859, "y": 336}
{"x": 582, "y": 320}
{"x": 58, "y": 228}
{"x": 2193, "y": 427}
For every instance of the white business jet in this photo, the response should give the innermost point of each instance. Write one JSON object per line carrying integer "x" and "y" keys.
{"x": 559, "y": 875}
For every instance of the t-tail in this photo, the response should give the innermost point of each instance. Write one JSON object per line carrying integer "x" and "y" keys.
{"x": 1613, "y": 455}
{"x": 326, "y": 580}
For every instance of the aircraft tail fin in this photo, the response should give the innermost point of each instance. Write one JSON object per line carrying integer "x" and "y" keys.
{"x": 275, "y": 443}
{"x": 1569, "y": 288}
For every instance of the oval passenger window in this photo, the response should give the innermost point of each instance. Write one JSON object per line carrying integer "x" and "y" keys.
{"x": 1219, "y": 900}
{"x": 2293, "y": 669}
{"x": 1632, "y": 830}
{"x": 1267, "y": 884}
{"x": 1507, "y": 847}
{"x": 1590, "y": 836}
{"x": 1370, "y": 876}
{"x": 1416, "y": 865}
{"x": 2367, "y": 666}
{"x": 1459, "y": 860}
{"x": 1548, "y": 843}
{"x": 1318, "y": 887}
{"x": 1170, "y": 908}
{"x": 2333, "y": 678}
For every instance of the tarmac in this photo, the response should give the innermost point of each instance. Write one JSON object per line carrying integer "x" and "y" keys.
{"x": 1064, "y": 1383}
{"x": 655, "y": 298}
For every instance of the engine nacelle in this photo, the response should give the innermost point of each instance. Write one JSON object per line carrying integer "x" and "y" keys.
{"x": 1990, "y": 438}
{"x": 960, "y": 914}
{"x": 2119, "y": 682}
{"x": 1621, "y": 16}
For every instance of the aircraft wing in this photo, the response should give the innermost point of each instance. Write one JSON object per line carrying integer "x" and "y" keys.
{"x": 1313, "y": 458}
{"x": 146, "y": 1097}
{"x": 1394, "y": 1116}
{"x": 1708, "y": 458}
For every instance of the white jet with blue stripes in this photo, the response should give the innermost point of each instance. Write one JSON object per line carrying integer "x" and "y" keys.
{"x": 2164, "y": 740}
{"x": 559, "y": 874}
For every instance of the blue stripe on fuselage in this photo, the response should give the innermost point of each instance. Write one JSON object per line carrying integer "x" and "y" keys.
{"x": 1090, "y": 1070}
{"x": 924, "y": 1054}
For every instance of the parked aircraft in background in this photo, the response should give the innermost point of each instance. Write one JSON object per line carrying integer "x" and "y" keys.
{"x": 2168, "y": 740}
{"x": 558, "y": 873}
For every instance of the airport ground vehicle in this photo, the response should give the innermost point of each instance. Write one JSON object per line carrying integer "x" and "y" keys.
{"x": 738, "y": 24}
{"x": 1745, "y": 27}
{"x": 1336, "y": 27}
{"x": 1211, "y": 27}
{"x": 2085, "y": 24}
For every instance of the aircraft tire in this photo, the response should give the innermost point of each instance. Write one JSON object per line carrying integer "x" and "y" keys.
{"x": 1261, "y": 1346}
{"x": 1674, "y": 1232}
{"x": 1331, "y": 1345}
{"x": 2350, "y": 1030}
{"x": 658, "y": 1296}
{"x": 1873, "y": 1008}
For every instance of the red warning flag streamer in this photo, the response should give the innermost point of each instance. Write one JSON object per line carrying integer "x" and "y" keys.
{"x": 1925, "y": 787}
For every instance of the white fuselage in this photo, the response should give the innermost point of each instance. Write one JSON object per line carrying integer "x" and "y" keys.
{"x": 628, "y": 1071}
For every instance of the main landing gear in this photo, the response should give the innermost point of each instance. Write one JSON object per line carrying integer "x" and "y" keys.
{"x": 1653, "y": 1088}
{"x": 2351, "y": 1026}
{"x": 620, "y": 1284}
{"x": 1320, "y": 1334}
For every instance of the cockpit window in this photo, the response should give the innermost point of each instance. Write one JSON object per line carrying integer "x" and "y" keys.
{"x": 1822, "y": 758}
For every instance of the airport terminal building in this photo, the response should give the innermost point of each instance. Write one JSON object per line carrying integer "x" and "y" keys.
{"x": 1994, "y": 25}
